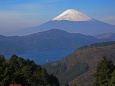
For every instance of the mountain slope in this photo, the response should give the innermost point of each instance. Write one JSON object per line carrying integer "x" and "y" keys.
{"x": 84, "y": 27}
{"x": 53, "y": 39}
{"x": 71, "y": 21}
{"x": 106, "y": 36}
{"x": 12, "y": 44}
{"x": 89, "y": 55}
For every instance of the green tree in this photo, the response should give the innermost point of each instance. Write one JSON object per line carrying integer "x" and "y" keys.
{"x": 75, "y": 85}
{"x": 66, "y": 84}
{"x": 112, "y": 81}
{"x": 53, "y": 80}
{"x": 2, "y": 59}
{"x": 103, "y": 72}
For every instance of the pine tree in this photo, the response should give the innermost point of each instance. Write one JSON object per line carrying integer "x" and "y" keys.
{"x": 112, "y": 81}
{"x": 66, "y": 84}
{"x": 103, "y": 72}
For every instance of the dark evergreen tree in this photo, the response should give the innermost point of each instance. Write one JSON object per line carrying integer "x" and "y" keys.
{"x": 103, "y": 72}
{"x": 112, "y": 81}
{"x": 66, "y": 84}
{"x": 75, "y": 85}
{"x": 53, "y": 80}
{"x": 2, "y": 59}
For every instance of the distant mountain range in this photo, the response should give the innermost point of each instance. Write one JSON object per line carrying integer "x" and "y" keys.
{"x": 47, "y": 40}
{"x": 53, "y": 39}
{"x": 79, "y": 66}
{"x": 71, "y": 21}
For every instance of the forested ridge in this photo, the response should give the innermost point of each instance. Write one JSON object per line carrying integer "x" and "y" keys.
{"x": 102, "y": 44}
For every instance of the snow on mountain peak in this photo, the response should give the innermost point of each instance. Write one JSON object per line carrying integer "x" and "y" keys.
{"x": 72, "y": 15}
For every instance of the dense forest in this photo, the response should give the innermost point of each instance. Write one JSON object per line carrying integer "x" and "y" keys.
{"x": 17, "y": 70}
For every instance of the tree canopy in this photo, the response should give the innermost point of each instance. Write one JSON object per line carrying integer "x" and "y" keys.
{"x": 17, "y": 70}
{"x": 103, "y": 74}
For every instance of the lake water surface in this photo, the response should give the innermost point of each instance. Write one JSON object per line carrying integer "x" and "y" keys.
{"x": 42, "y": 57}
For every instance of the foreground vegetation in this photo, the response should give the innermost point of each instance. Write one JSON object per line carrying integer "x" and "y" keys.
{"x": 17, "y": 70}
{"x": 104, "y": 75}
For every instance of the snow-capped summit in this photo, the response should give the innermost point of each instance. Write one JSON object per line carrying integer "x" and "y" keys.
{"x": 72, "y": 15}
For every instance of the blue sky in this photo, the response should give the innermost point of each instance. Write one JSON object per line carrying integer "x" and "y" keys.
{"x": 17, "y": 14}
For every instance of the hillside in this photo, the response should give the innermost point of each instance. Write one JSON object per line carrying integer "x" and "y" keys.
{"x": 87, "y": 58}
{"x": 53, "y": 39}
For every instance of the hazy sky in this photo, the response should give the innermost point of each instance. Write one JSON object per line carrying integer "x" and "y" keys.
{"x": 17, "y": 14}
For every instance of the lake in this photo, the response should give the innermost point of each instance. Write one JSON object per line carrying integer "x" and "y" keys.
{"x": 42, "y": 57}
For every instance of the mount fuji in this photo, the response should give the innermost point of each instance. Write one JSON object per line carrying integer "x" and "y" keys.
{"x": 72, "y": 15}
{"x": 71, "y": 21}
